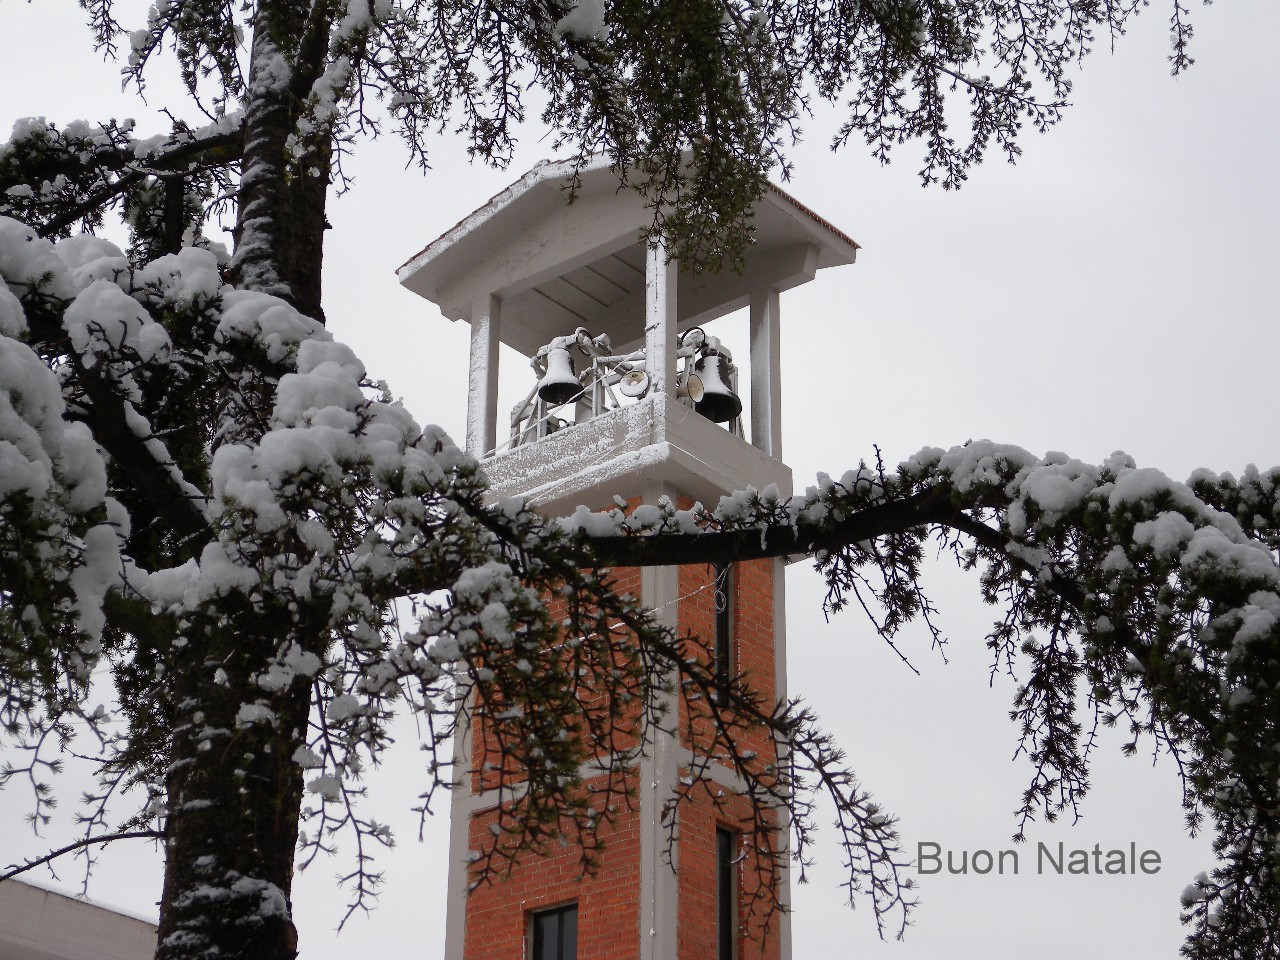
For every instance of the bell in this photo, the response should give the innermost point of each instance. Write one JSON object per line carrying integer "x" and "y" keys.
{"x": 560, "y": 385}
{"x": 719, "y": 404}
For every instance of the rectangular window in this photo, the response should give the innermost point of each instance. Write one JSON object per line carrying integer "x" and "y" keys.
{"x": 723, "y": 652}
{"x": 555, "y": 933}
{"x": 726, "y": 893}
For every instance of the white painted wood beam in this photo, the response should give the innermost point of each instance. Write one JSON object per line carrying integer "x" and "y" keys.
{"x": 659, "y": 781}
{"x": 482, "y": 378}
{"x": 660, "y": 320}
{"x": 766, "y": 373}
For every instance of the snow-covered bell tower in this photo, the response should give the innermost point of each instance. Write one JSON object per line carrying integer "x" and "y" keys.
{"x": 633, "y": 396}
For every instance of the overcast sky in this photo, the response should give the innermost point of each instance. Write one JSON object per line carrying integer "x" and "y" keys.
{"x": 1114, "y": 290}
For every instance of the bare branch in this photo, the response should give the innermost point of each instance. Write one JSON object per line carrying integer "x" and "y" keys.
{"x": 15, "y": 871}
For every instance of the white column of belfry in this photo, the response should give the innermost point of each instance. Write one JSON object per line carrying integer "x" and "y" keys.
{"x": 766, "y": 435}
{"x": 482, "y": 423}
{"x": 482, "y": 378}
{"x": 659, "y": 888}
{"x": 766, "y": 373}
{"x": 461, "y": 808}
{"x": 660, "y": 320}
{"x": 659, "y": 589}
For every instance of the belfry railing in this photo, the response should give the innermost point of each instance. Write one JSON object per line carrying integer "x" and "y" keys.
{"x": 580, "y": 377}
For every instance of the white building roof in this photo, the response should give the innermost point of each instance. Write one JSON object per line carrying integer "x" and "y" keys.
{"x": 40, "y": 924}
{"x": 557, "y": 266}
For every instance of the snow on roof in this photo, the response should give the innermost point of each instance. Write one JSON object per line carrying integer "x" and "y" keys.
{"x": 808, "y": 212}
{"x": 560, "y": 170}
{"x": 556, "y": 265}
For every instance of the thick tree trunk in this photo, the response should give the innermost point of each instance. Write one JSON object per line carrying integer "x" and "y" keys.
{"x": 234, "y": 795}
{"x": 280, "y": 221}
{"x": 234, "y": 788}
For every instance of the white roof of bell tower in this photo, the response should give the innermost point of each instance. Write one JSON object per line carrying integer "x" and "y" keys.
{"x": 557, "y": 266}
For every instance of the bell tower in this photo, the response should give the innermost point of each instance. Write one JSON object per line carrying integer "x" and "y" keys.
{"x": 632, "y": 397}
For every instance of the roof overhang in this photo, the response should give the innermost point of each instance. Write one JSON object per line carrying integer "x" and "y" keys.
{"x": 557, "y": 265}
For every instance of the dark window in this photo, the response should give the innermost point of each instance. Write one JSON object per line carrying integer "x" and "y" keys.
{"x": 555, "y": 933}
{"x": 726, "y": 893}
{"x": 724, "y": 625}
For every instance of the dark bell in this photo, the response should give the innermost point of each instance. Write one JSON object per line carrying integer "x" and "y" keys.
{"x": 719, "y": 404}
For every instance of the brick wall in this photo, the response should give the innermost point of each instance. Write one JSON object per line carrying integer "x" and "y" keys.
{"x": 608, "y": 899}
{"x": 498, "y": 911}
{"x": 757, "y": 937}
{"x": 489, "y": 769}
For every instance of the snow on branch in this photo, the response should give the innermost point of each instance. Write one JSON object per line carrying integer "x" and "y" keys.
{"x": 1151, "y": 604}
{"x": 56, "y": 178}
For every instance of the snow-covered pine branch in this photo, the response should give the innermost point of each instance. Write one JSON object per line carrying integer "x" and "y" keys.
{"x": 1151, "y": 604}
{"x": 56, "y": 179}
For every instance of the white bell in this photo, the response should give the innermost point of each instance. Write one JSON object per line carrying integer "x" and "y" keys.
{"x": 560, "y": 385}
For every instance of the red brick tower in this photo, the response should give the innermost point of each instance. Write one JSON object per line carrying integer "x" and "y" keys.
{"x": 634, "y": 398}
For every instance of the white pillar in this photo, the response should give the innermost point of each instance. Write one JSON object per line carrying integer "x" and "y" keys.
{"x": 659, "y": 772}
{"x": 660, "y": 320}
{"x": 766, "y": 375}
{"x": 482, "y": 379}
{"x": 461, "y": 810}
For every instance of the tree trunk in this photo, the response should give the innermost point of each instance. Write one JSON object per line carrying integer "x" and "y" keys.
{"x": 234, "y": 795}
{"x": 234, "y": 788}
{"x": 280, "y": 220}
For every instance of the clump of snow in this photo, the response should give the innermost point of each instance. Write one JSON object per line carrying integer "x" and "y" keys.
{"x": 253, "y": 713}
{"x": 1167, "y": 534}
{"x": 170, "y": 586}
{"x": 307, "y": 758}
{"x": 303, "y": 395}
{"x": 585, "y": 21}
{"x": 184, "y": 278}
{"x": 91, "y": 258}
{"x": 28, "y": 262}
{"x": 1196, "y": 891}
{"x": 271, "y": 899}
{"x": 1213, "y": 551}
{"x": 293, "y": 662}
{"x": 983, "y": 462}
{"x": 343, "y": 707}
{"x": 272, "y": 73}
{"x": 327, "y": 787}
{"x": 104, "y": 321}
{"x": 98, "y": 571}
{"x": 13, "y": 319}
{"x": 31, "y": 410}
{"x": 593, "y": 524}
{"x": 268, "y": 320}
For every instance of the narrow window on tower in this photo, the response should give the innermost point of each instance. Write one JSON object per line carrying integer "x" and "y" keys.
{"x": 726, "y": 893}
{"x": 554, "y": 933}
{"x": 723, "y": 653}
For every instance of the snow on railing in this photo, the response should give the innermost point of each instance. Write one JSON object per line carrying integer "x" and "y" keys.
{"x": 706, "y": 380}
